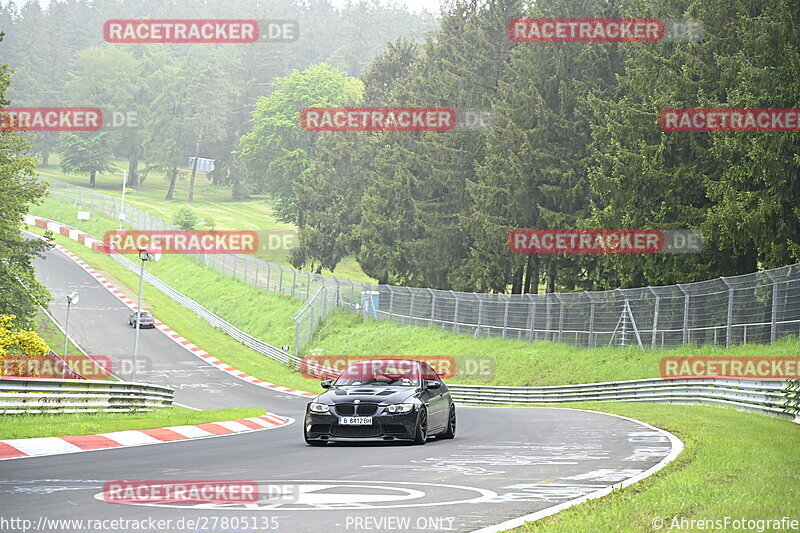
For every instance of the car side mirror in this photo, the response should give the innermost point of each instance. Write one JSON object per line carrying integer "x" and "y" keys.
{"x": 432, "y": 384}
{"x": 326, "y": 384}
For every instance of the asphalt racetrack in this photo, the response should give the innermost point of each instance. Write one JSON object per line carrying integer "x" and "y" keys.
{"x": 504, "y": 462}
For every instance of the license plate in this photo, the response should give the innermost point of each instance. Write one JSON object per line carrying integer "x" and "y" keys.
{"x": 355, "y": 420}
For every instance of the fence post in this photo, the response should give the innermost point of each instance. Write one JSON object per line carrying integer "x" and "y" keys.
{"x": 294, "y": 281}
{"x": 324, "y": 302}
{"x": 391, "y": 301}
{"x": 532, "y": 315}
{"x": 455, "y": 312}
{"x": 505, "y": 315}
{"x": 280, "y": 282}
{"x": 729, "y": 325}
{"x": 433, "y": 307}
{"x": 560, "y": 316}
{"x": 269, "y": 271}
{"x": 773, "y": 323}
{"x": 655, "y": 316}
{"x": 256, "y": 275}
{"x": 234, "y": 266}
{"x": 297, "y": 336}
{"x": 411, "y": 308}
{"x": 245, "y": 271}
{"x": 685, "y": 314}
{"x": 308, "y": 284}
{"x": 591, "y": 317}
{"x": 480, "y": 313}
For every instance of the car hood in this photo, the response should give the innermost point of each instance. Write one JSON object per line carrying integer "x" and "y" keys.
{"x": 366, "y": 394}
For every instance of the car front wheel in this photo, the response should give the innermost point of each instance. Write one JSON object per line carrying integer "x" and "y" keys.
{"x": 421, "y": 434}
{"x": 451, "y": 425}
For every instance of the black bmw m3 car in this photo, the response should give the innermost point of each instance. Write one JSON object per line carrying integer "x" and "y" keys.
{"x": 382, "y": 399}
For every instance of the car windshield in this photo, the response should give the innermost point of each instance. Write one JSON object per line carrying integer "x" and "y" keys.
{"x": 383, "y": 373}
{"x": 145, "y": 314}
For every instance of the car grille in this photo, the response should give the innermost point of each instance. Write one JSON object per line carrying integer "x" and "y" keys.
{"x": 357, "y": 431}
{"x": 349, "y": 409}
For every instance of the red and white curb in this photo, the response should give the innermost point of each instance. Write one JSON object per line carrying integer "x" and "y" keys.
{"x": 21, "y": 448}
{"x": 97, "y": 245}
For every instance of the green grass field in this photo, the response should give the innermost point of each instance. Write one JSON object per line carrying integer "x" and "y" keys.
{"x": 53, "y": 336}
{"x": 71, "y": 424}
{"x": 267, "y": 316}
{"x": 212, "y": 201}
{"x": 734, "y": 464}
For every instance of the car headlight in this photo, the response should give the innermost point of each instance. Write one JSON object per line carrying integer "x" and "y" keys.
{"x": 400, "y": 408}
{"x": 319, "y": 407}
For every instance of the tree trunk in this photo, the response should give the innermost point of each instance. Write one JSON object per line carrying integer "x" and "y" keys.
{"x": 516, "y": 282}
{"x": 191, "y": 181}
{"x": 173, "y": 175}
{"x": 92, "y": 176}
{"x": 551, "y": 278}
{"x": 532, "y": 279}
{"x": 133, "y": 164}
{"x": 45, "y": 157}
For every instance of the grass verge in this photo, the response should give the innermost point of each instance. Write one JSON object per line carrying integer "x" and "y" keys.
{"x": 518, "y": 363}
{"x": 52, "y": 335}
{"x": 267, "y": 316}
{"x": 24, "y": 426}
{"x": 735, "y": 464}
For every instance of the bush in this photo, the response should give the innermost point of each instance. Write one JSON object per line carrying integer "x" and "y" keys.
{"x": 185, "y": 219}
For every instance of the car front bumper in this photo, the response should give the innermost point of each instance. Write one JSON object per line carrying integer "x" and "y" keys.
{"x": 384, "y": 426}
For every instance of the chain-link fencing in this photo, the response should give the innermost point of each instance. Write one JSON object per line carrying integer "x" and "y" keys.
{"x": 751, "y": 308}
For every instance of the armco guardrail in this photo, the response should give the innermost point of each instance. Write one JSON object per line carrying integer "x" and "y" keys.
{"x": 35, "y": 395}
{"x": 777, "y": 398}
